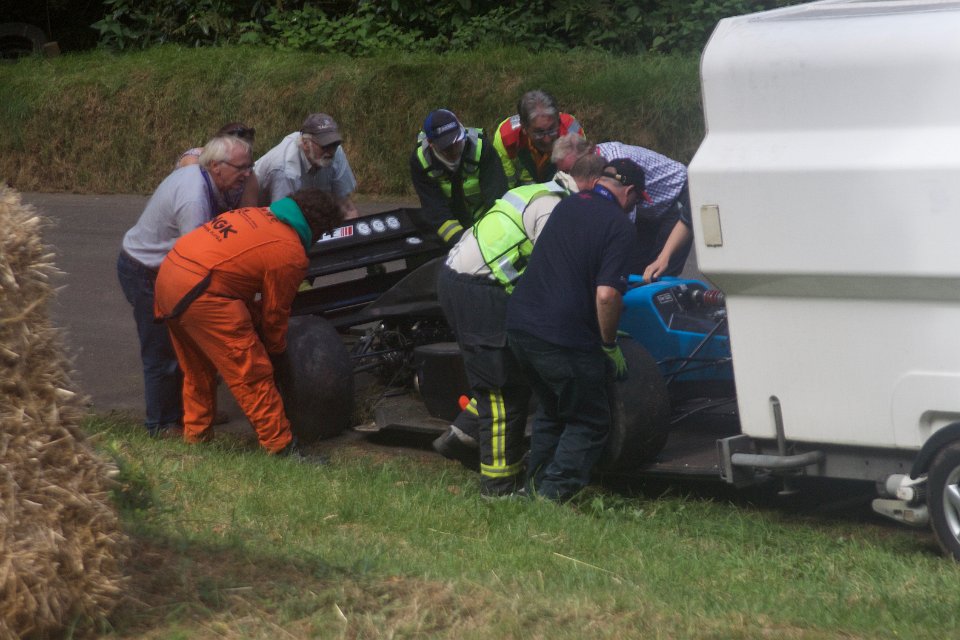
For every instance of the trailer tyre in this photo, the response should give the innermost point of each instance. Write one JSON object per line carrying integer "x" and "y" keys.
{"x": 640, "y": 411}
{"x": 317, "y": 381}
{"x": 943, "y": 482}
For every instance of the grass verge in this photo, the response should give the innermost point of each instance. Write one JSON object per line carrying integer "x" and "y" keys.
{"x": 101, "y": 123}
{"x": 232, "y": 544}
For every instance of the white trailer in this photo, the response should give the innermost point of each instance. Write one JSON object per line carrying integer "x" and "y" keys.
{"x": 826, "y": 200}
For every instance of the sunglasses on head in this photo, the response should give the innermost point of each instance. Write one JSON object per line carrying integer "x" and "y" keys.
{"x": 616, "y": 176}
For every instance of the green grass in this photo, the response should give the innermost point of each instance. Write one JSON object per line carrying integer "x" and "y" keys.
{"x": 230, "y": 543}
{"x": 102, "y": 123}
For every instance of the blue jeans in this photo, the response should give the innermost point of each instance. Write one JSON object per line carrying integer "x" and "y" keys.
{"x": 573, "y": 420}
{"x": 162, "y": 379}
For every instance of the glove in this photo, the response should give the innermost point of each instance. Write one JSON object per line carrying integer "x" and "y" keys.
{"x": 281, "y": 369}
{"x": 615, "y": 354}
{"x": 278, "y": 360}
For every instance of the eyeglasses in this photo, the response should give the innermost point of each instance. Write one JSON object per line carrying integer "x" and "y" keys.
{"x": 239, "y": 167}
{"x": 243, "y": 132}
{"x": 540, "y": 135}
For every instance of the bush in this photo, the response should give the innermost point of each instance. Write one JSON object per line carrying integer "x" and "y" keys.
{"x": 130, "y": 24}
{"x": 309, "y": 29}
{"x": 369, "y": 27}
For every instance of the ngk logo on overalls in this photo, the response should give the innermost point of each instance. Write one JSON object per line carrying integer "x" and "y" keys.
{"x": 222, "y": 227}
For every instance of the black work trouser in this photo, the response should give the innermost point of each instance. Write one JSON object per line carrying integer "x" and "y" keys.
{"x": 476, "y": 309}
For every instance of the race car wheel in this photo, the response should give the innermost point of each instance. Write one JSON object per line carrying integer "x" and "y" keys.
{"x": 640, "y": 408}
{"x": 317, "y": 383}
{"x": 943, "y": 484}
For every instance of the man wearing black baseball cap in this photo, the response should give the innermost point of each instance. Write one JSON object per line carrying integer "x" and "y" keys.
{"x": 562, "y": 325}
{"x": 312, "y": 158}
{"x": 456, "y": 174}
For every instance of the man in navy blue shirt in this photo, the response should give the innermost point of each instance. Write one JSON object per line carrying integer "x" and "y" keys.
{"x": 562, "y": 325}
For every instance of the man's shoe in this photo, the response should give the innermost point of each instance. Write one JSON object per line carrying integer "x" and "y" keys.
{"x": 497, "y": 488}
{"x": 519, "y": 494}
{"x": 295, "y": 452}
{"x": 454, "y": 444}
{"x": 169, "y": 432}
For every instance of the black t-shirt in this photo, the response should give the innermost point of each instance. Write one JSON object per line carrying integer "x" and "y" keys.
{"x": 587, "y": 242}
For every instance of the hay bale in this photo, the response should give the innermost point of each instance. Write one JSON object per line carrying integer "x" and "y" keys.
{"x": 61, "y": 548}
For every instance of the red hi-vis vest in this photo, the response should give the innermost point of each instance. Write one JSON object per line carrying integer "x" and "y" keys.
{"x": 520, "y": 164}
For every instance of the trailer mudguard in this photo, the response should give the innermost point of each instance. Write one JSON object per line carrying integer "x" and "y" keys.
{"x": 941, "y": 438}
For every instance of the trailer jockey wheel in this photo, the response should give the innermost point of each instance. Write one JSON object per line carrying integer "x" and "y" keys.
{"x": 317, "y": 387}
{"x": 640, "y": 408}
{"x": 943, "y": 484}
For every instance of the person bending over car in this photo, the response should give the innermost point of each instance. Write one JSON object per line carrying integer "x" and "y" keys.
{"x": 225, "y": 291}
{"x": 187, "y": 198}
{"x": 664, "y": 228}
{"x": 524, "y": 141}
{"x": 456, "y": 173}
{"x": 473, "y": 288}
{"x": 312, "y": 158}
{"x": 562, "y": 326}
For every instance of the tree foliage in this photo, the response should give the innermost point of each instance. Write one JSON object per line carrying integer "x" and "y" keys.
{"x": 366, "y": 27}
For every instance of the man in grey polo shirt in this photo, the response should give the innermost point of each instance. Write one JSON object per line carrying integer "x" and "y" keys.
{"x": 186, "y": 199}
{"x": 310, "y": 158}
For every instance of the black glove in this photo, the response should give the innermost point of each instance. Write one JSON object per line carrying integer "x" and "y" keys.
{"x": 278, "y": 359}
{"x": 281, "y": 368}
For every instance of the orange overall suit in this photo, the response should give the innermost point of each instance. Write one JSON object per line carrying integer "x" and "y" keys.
{"x": 207, "y": 292}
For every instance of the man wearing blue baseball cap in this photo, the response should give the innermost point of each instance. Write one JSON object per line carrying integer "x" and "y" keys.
{"x": 456, "y": 174}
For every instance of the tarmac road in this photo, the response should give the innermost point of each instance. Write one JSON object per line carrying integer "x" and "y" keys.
{"x": 100, "y": 332}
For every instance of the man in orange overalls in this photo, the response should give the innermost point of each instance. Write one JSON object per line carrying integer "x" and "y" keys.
{"x": 207, "y": 292}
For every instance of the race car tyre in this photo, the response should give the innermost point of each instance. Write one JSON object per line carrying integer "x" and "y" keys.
{"x": 317, "y": 381}
{"x": 640, "y": 408}
{"x": 943, "y": 484}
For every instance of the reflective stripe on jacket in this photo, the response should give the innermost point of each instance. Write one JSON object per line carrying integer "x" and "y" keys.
{"x": 501, "y": 235}
{"x": 469, "y": 170}
{"x": 513, "y": 147}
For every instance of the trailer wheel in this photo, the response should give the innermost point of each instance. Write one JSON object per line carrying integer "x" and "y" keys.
{"x": 640, "y": 408}
{"x": 317, "y": 383}
{"x": 943, "y": 482}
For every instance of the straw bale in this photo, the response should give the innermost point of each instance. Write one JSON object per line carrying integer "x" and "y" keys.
{"x": 61, "y": 548}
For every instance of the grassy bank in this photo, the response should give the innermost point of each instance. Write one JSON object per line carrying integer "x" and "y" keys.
{"x": 231, "y": 544}
{"x": 101, "y": 123}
